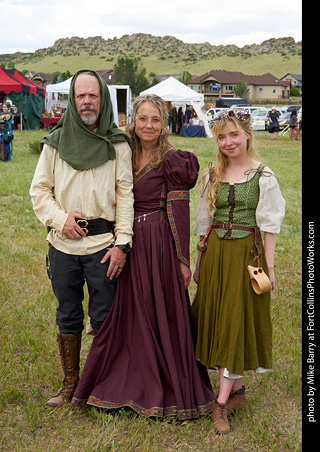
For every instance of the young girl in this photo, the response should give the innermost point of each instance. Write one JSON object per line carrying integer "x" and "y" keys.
{"x": 233, "y": 322}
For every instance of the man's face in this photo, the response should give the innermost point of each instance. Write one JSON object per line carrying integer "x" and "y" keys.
{"x": 87, "y": 97}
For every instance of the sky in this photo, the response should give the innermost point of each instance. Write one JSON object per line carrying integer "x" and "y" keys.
{"x": 29, "y": 25}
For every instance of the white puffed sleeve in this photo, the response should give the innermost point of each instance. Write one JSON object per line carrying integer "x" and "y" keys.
{"x": 271, "y": 207}
{"x": 202, "y": 219}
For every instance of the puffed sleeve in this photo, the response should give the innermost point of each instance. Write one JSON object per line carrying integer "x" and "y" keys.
{"x": 203, "y": 218}
{"x": 271, "y": 207}
{"x": 181, "y": 170}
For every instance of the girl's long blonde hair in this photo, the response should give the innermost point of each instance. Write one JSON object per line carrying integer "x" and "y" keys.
{"x": 163, "y": 144}
{"x": 222, "y": 161}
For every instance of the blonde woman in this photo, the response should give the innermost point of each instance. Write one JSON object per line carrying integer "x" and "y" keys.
{"x": 143, "y": 356}
{"x": 233, "y": 322}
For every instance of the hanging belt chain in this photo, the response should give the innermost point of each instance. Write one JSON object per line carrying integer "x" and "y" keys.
{"x": 145, "y": 215}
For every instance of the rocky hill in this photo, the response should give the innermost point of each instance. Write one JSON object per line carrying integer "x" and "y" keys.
{"x": 145, "y": 45}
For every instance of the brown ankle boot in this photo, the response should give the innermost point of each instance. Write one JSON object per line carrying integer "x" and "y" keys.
{"x": 69, "y": 348}
{"x": 237, "y": 400}
{"x": 220, "y": 421}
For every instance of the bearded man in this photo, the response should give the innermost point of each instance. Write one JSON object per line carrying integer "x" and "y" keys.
{"x": 82, "y": 191}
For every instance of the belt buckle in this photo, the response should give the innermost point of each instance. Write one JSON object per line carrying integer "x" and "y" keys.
{"x": 227, "y": 225}
{"x": 83, "y": 225}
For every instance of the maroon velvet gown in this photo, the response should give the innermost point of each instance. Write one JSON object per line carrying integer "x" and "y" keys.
{"x": 143, "y": 355}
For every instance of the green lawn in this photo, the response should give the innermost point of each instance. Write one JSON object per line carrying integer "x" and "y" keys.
{"x": 30, "y": 370}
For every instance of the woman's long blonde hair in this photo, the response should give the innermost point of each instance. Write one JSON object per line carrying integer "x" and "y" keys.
{"x": 163, "y": 144}
{"x": 222, "y": 161}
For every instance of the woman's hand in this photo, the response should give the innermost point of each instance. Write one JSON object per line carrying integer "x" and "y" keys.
{"x": 186, "y": 273}
{"x": 196, "y": 272}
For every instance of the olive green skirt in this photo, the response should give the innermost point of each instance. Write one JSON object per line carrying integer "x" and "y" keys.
{"x": 234, "y": 327}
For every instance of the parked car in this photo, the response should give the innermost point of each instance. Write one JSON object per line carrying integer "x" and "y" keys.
{"x": 245, "y": 109}
{"x": 213, "y": 111}
{"x": 226, "y": 102}
{"x": 259, "y": 118}
{"x": 284, "y": 120}
{"x": 293, "y": 107}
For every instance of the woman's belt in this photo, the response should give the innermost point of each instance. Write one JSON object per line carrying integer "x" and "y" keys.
{"x": 202, "y": 244}
{"x": 146, "y": 215}
{"x": 96, "y": 226}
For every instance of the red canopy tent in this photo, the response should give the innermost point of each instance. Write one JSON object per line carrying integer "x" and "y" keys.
{"x": 34, "y": 87}
{"x": 9, "y": 84}
{"x": 28, "y": 97}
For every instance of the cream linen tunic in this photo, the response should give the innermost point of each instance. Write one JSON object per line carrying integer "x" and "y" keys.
{"x": 103, "y": 192}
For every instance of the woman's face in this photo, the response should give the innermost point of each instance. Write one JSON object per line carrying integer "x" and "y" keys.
{"x": 148, "y": 123}
{"x": 4, "y": 108}
{"x": 232, "y": 142}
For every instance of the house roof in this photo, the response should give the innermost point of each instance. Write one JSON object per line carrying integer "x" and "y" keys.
{"x": 226, "y": 77}
{"x": 44, "y": 78}
{"x": 296, "y": 76}
{"x": 221, "y": 76}
{"x": 107, "y": 75}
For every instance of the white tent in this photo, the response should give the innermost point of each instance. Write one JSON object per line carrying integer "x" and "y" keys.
{"x": 53, "y": 91}
{"x": 178, "y": 94}
{"x": 64, "y": 88}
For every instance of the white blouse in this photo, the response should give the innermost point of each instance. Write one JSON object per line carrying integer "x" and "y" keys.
{"x": 269, "y": 213}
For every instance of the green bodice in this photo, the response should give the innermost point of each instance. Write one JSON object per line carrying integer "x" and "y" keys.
{"x": 237, "y": 204}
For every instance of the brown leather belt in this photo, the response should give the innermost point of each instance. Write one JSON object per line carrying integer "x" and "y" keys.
{"x": 255, "y": 231}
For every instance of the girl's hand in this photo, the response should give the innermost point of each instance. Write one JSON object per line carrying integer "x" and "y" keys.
{"x": 272, "y": 277}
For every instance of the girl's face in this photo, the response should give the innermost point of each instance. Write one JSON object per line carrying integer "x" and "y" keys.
{"x": 233, "y": 141}
{"x": 148, "y": 123}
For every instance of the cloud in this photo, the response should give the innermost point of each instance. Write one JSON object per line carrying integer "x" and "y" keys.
{"x": 41, "y": 23}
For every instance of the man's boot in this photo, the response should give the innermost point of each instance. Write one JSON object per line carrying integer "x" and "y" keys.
{"x": 69, "y": 348}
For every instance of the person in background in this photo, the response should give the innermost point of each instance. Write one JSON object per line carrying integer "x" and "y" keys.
{"x": 82, "y": 191}
{"x": 143, "y": 356}
{"x": 6, "y": 133}
{"x": 294, "y": 131}
{"x": 300, "y": 123}
{"x": 240, "y": 197}
{"x": 273, "y": 118}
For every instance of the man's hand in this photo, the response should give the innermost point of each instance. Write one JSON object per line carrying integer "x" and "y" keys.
{"x": 71, "y": 229}
{"x": 117, "y": 261}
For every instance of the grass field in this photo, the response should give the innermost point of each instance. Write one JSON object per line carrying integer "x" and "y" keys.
{"x": 30, "y": 370}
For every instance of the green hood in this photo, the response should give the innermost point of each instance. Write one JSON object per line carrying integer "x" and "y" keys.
{"x": 76, "y": 143}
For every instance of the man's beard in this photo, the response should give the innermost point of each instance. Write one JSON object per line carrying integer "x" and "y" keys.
{"x": 88, "y": 120}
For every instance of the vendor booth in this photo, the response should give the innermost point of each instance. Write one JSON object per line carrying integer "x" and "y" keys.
{"x": 186, "y": 116}
{"x": 120, "y": 98}
{"x": 28, "y": 97}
